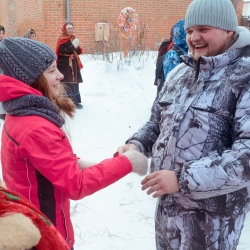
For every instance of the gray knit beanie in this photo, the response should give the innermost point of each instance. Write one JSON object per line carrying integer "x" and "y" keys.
{"x": 215, "y": 13}
{"x": 25, "y": 59}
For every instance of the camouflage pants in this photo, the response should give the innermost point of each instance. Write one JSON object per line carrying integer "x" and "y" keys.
{"x": 197, "y": 230}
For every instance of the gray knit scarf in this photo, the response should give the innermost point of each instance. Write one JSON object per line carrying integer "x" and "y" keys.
{"x": 34, "y": 105}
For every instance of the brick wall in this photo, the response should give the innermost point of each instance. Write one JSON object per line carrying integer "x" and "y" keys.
{"x": 239, "y": 11}
{"x": 47, "y": 17}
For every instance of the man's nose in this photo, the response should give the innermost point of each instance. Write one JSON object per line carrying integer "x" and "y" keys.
{"x": 195, "y": 36}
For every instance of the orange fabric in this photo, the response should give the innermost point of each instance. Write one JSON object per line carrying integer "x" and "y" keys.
{"x": 127, "y": 23}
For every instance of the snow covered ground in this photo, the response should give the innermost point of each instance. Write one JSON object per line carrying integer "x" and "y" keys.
{"x": 115, "y": 104}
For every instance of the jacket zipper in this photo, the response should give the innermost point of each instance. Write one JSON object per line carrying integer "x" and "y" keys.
{"x": 65, "y": 222}
{"x": 27, "y": 175}
{"x": 198, "y": 69}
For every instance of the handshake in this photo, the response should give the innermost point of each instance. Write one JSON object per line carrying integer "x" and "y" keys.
{"x": 138, "y": 161}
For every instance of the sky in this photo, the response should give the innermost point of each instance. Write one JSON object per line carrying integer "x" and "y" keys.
{"x": 116, "y": 98}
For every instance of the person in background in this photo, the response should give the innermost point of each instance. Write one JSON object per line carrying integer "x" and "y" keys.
{"x": 37, "y": 158}
{"x": 69, "y": 63}
{"x": 198, "y": 135}
{"x": 31, "y": 34}
{"x": 172, "y": 57}
{"x": 2, "y": 112}
{"x": 2, "y": 31}
{"x": 165, "y": 46}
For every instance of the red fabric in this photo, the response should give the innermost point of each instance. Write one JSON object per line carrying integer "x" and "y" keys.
{"x": 127, "y": 22}
{"x": 165, "y": 47}
{"x": 45, "y": 147}
{"x": 65, "y": 37}
{"x": 14, "y": 89}
{"x": 12, "y": 202}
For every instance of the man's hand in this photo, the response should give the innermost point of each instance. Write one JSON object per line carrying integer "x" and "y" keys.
{"x": 160, "y": 183}
{"x": 126, "y": 147}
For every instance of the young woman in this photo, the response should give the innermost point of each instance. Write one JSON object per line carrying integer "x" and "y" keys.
{"x": 36, "y": 155}
{"x": 69, "y": 63}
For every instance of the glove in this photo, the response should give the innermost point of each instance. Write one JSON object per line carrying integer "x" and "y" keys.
{"x": 75, "y": 42}
{"x": 85, "y": 164}
{"x": 138, "y": 161}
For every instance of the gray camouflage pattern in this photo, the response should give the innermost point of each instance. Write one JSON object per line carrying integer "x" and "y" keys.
{"x": 200, "y": 124}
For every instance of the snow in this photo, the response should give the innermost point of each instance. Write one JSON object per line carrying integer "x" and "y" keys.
{"x": 115, "y": 104}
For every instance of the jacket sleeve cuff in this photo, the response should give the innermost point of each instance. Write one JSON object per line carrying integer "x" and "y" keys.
{"x": 183, "y": 184}
{"x": 138, "y": 145}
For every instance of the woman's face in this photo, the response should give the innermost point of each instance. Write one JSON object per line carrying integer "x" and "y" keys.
{"x": 70, "y": 29}
{"x": 33, "y": 36}
{"x": 53, "y": 76}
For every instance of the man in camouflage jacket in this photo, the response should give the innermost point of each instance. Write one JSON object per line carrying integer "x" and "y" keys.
{"x": 198, "y": 136}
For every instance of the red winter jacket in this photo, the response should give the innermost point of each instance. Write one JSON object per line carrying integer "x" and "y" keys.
{"x": 38, "y": 162}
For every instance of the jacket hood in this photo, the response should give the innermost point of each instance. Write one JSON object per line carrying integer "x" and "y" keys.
{"x": 243, "y": 38}
{"x": 180, "y": 35}
{"x": 11, "y": 88}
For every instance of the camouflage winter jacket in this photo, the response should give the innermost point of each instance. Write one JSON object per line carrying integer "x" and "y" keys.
{"x": 200, "y": 125}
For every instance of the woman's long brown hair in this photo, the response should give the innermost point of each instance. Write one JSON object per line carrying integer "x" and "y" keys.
{"x": 65, "y": 104}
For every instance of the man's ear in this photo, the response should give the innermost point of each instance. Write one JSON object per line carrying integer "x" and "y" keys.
{"x": 230, "y": 33}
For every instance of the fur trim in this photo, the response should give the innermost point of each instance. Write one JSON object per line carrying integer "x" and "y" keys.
{"x": 2, "y": 183}
{"x": 18, "y": 232}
